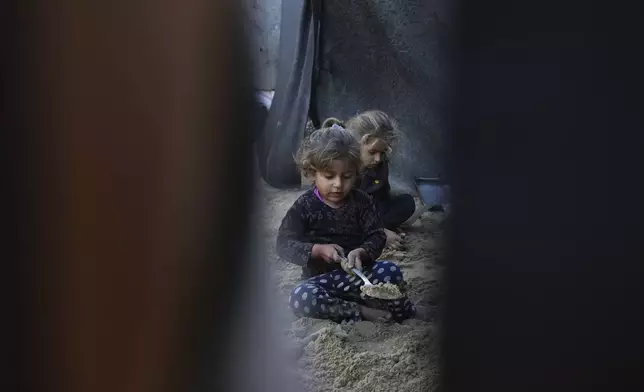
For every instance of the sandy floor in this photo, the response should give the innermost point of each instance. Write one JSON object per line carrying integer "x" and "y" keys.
{"x": 365, "y": 356}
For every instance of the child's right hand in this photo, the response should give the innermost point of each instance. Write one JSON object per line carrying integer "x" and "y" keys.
{"x": 331, "y": 253}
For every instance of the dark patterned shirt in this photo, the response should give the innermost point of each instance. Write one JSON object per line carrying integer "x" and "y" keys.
{"x": 375, "y": 182}
{"x": 309, "y": 221}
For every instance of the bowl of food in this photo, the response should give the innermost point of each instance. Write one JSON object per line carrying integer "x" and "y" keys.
{"x": 386, "y": 296}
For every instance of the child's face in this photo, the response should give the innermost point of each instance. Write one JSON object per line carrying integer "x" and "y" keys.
{"x": 373, "y": 152}
{"x": 335, "y": 182}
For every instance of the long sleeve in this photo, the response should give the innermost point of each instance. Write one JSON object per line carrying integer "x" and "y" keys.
{"x": 376, "y": 181}
{"x": 375, "y": 239}
{"x": 290, "y": 246}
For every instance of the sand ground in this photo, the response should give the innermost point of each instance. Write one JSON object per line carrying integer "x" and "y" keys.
{"x": 366, "y": 356}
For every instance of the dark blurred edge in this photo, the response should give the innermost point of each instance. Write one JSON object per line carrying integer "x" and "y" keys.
{"x": 10, "y": 22}
{"x": 544, "y": 285}
{"x": 28, "y": 363}
{"x": 211, "y": 340}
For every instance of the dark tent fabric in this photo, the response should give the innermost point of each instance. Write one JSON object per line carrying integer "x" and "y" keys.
{"x": 388, "y": 55}
{"x": 372, "y": 54}
{"x": 288, "y": 115}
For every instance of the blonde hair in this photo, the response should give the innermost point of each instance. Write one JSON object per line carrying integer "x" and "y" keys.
{"x": 373, "y": 124}
{"x": 325, "y": 145}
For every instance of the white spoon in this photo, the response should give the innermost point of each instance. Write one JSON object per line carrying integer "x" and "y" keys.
{"x": 361, "y": 276}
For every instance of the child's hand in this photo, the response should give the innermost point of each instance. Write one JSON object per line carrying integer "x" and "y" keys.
{"x": 394, "y": 240}
{"x": 354, "y": 259}
{"x": 331, "y": 253}
{"x": 346, "y": 266}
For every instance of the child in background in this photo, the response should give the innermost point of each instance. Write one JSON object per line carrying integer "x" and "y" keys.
{"x": 377, "y": 133}
{"x": 333, "y": 228}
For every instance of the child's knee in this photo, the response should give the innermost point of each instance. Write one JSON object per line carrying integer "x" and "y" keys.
{"x": 408, "y": 203}
{"x": 300, "y": 300}
{"x": 386, "y": 272}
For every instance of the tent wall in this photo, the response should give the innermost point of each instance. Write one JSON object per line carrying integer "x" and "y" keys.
{"x": 262, "y": 26}
{"x": 389, "y": 55}
{"x": 338, "y": 58}
{"x": 286, "y": 121}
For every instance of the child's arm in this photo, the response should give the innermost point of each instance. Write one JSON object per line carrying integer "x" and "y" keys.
{"x": 385, "y": 177}
{"x": 290, "y": 246}
{"x": 377, "y": 181}
{"x": 375, "y": 239}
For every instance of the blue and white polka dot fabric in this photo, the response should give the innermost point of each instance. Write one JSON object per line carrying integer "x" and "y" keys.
{"x": 336, "y": 295}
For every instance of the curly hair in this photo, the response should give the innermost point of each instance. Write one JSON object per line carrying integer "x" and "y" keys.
{"x": 325, "y": 145}
{"x": 373, "y": 124}
{"x": 329, "y": 122}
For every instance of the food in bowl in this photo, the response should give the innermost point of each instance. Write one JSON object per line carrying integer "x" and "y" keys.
{"x": 382, "y": 291}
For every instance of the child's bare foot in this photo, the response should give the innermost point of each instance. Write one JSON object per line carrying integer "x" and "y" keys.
{"x": 371, "y": 314}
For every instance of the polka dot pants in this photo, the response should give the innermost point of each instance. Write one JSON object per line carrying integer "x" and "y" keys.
{"x": 336, "y": 295}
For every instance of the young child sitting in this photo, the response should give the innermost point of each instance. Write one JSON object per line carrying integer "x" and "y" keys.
{"x": 377, "y": 133}
{"x": 333, "y": 228}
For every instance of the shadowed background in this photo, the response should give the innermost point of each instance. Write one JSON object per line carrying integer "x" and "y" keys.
{"x": 127, "y": 196}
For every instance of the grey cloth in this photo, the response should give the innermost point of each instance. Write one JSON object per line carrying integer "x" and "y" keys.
{"x": 288, "y": 115}
{"x": 338, "y": 58}
{"x": 389, "y": 55}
